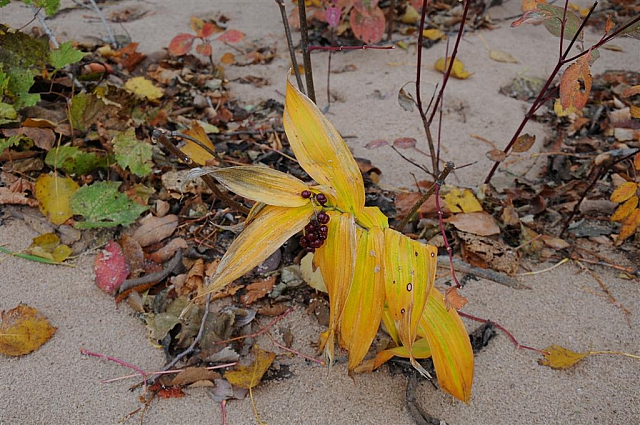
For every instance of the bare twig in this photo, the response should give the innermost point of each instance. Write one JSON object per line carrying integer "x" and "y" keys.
{"x": 343, "y": 48}
{"x": 153, "y": 277}
{"x": 488, "y": 274}
{"x": 390, "y": 18}
{"x": 105, "y": 23}
{"x": 52, "y": 37}
{"x": 120, "y": 362}
{"x": 306, "y": 54}
{"x": 292, "y": 53}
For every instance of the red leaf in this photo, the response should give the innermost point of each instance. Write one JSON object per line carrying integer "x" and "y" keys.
{"x": 332, "y": 15}
{"x": 207, "y": 30}
{"x": 204, "y": 49}
{"x": 404, "y": 143}
{"x": 376, "y": 144}
{"x": 110, "y": 268}
{"x": 181, "y": 44}
{"x": 368, "y": 24}
{"x": 231, "y": 36}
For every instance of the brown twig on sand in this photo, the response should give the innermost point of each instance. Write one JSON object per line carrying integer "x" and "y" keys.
{"x": 152, "y": 277}
{"x": 297, "y": 353}
{"x": 292, "y": 53}
{"x": 306, "y": 54}
{"x": 609, "y": 295}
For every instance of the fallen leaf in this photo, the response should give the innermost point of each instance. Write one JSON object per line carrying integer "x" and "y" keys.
{"x": 132, "y": 153}
{"x": 257, "y": 290}
{"x": 404, "y": 143}
{"x": 462, "y": 201}
{"x": 489, "y": 253}
{"x": 406, "y": 100}
{"x": 502, "y": 56}
{"x": 195, "y": 278}
{"x": 624, "y": 192}
{"x": 453, "y": 299}
{"x": 479, "y": 223}
{"x": 411, "y": 15}
{"x": 23, "y": 330}
{"x": 248, "y": 376}
{"x": 523, "y": 143}
{"x": 134, "y": 256}
{"x": 142, "y": 87}
{"x": 457, "y": 70}
{"x": 496, "y": 155}
{"x": 434, "y": 34}
{"x": 376, "y": 144}
{"x": 636, "y": 161}
{"x": 168, "y": 250}
{"x": 190, "y": 375}
{"x": 166, "y": 392}
{"x": 110, "y": 268}
{"x": 103, "y": 206}
{"x": 553, "y": 242}
{"x": 8, "y": 196}
{"x": 198, "y": 154}
{"x": 54, "y": 194}
{"x": 624, "y": 210}
{"x": 558, "y": 357}
{"x": 48, "y": 246}
{"x": 367, "y": 23}
{"x": 629, "y": 226}
{"x": 228, "y": 58}
{"x": 154, "y": 229}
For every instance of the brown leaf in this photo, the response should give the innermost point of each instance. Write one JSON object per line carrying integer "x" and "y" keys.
{"x": 154, "y": 229}
{"x": 7, "y": 196}
{"x": 133, "y": 255}
{"x": 168, "y": 250}
{"x": 509, "y": 214}
{"x": 404, "y": 143}
{"x": 195, "y": 278}
{"x": 524, "y": 143}
{"x": 489, "y": 253}
{"x": 23, "y": 330}
{"x": 249, "y": 376}
{"x": 453, "y": 299}
{"x": 575, "y": 87}
{"x": 44, "y": 138}
{"x": 558, "y": 357}
{"x": 553, "y": 242}
{"x": 479, "y": 223}
{"x": 257, "y": 290}
{"x": 190, "y": 375}
{"x": 496, "y": 155}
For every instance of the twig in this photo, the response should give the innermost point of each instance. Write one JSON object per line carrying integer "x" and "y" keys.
{"x": 610, "y": 297}
{"x": 445, "y": 239}
{"x": 306, "y": 54}
{"x": 297, "y": 353}
{"x": 448, "y": 167}
{"x": 164, "y": 372}
{"x": 161, "y": 136}
{"x": 111, "y": 35}
{"x": 52, "y": 37}
{"x": 292, "y": 53}
{"x": 152, "y": 277}
{"x": 548, "y": 269}
{"x": 503, "y": 329}
{"x": 500, "y": 278}
{"x": 343, "y": 48}
{"x": 120, "y": 362}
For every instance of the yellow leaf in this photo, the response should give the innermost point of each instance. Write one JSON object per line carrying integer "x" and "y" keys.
{"x": 196, "y": 24}
{"x": 462, "y": 201}
{"x": 249, "y": 376}
{"x": 411, "y": 15}
{"x": 373, "y": 217}
{"x": 629, "y": 226}
{"x": 457, "y": 70}
{"x": 271, "y": 227}
{"x": 528, "y": 5}
{"x": 261, "y": 184}
{"x": 409, "y": 273}
{"x": 336, "y": 260}
{"x": 321, "y": 151}
{"x": 623, "y": 192}
{"x": 635, "y": 112}
{"x": 197, "y": 154}
{"x": 434, "y": 34}
{"x": 636, "y": 161}
{"x": 142, "y": 87}
{"x": 421, "y": 350}
{"x": 53, "y": 193}
{"x": 23, "y": 330}
{"x": 48, "y": 246}
{"x": 365, "y": 303}
{"x": 625, "y": 209}
{"x": 502, "y": 56}
{"x": 450, "y": 346}
{"x": 558, "y": 357}
{"x": 228, "y": 58}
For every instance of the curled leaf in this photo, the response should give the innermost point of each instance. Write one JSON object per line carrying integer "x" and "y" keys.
{"x": 457, "y": 70}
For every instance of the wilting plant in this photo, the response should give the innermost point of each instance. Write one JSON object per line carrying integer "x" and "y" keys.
{"x": 372, "y": 273}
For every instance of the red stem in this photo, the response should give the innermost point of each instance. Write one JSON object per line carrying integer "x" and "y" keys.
{"x": 444, "y": 237}
{"x": 120, "y": 362}
{"x": 341, "y": 48}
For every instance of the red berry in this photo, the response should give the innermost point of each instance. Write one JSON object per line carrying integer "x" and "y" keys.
{"x": 323, "y": 217}
{"x": 323, "y": 229}
{"x": 304, "y": 242}
{"x": 306, "y": 194}
{"x": 311, "y": 236}
{"x": 322, "y": 236}
{"x": 310, "y": 228}
{"x": 316, "y": 243}
{"x": 321, "y": 198}
{"x": 309, "y": 249}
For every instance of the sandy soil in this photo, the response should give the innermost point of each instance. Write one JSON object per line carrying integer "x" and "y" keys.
{"x": 57, "y": 385}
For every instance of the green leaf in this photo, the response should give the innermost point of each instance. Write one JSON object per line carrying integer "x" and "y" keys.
{"x": 3, "y": 3}
{"x": 51, "y": 7}
{"x": 20, "y": 81}
{"x": 553, "y": 22}
{"x": 72, "y": 160}
{"x": 7, "y": 113}
{"x": 65, "y": 55}
{"x": 84, "y": 110}
{"x": 632, "y": 31}
{"x": 11, "y": 141}
{"x": 103, "y": 206}
{"x": 132, "y": 153}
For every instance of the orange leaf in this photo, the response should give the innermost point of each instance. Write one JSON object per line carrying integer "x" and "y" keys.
{"x": 228, "y": 58}
{"x": 196, "y": 25}
{"x": 610, "y": 24}
{"x": 197, "y": 154}
{"x": 524, "y": 143}
{"x": 623, "y": 192}
{"x": 629, "y": 226}
{"x": 181, "y": 44}
{"x": 23, "y": 330}
{"x": 575, "y": 87}
{"x": 453, "y": 299}
{"x": 636, "y": 161}
{"x": 558, "y": 357}
{"x": 231, "y": 36}
{"x": 204, "y": 49}
{"x": 367, "y": 24}
{"x": 625, "y": 209}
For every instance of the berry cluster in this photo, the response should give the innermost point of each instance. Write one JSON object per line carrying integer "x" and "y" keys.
{"x": 315, "y": 233}
{"x": 321, "y": 198}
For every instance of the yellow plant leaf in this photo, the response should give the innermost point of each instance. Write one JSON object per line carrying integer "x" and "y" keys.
{"x": 629, "y": 226}
{"x": 575, "y": 87}
{"x": 197, "y": 154}
{"x": 625, "y": 209}
{"x": 365, "y": 303}
{"x": 434, "y": 34}
{"x": 450, "y": 346}
{"x": 558, "y": 357}
{"x": 261, "y": 184}
{"x": 142, "y": 87}
{"x": 248, "y": 376}
{"x": 53, "y": 193}
{"x": 271, "y": 227}
{"x": 311, "y": 274}
{"x": 528, "y": 5}
{"x": 336, "y": 260}
{"x": 409, "y": 273}
{"x": 48, "y": 246}
{"x": 321, "y": 151}
{"x": 623, "y": 192}
{"x": 23, "y": 330}
{"x": 462, "y": 201}
{"x": 373, "y": 217}
{"x": 457, "y": 70}
{"x": 421, "y": 350}
{"x": 387, "y": 319}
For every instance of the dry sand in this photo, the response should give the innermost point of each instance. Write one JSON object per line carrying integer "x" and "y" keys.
{"x": 57, "y": 385}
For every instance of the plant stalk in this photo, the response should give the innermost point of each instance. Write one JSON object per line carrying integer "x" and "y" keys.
{"x": 306, "y": 54}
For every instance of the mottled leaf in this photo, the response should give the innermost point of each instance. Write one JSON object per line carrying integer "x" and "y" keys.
{"x": 181, "y": 44}
{"x": 103, "y": 206}
{"x": 250, "y": 375}
{"x": 54, "y": 194}
{"x": 367, "y": 24}
{"x": 110, "y": 268}
{"x": 132, "y": 153}
{"x": 231, "y": 36}
{"x": 72, "y": 160}
{"x": 23, "y": 330}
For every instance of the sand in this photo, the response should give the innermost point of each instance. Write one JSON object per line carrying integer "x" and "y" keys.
{"x": 57, "y": 385}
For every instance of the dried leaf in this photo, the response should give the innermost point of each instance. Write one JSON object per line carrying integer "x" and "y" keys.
{"x": 624, "y": 210}
{"x": 434, "y": 34}
{"x": 198, "y": 154}
{"x": 142, "y": 87}
{"x": 630, "y": 91}
{"x": 110, "y": 268}
{"x": 478, "y": 223}
{"x": 623, "y": 192}
{"x": 228, "y": 58}
{"x": 231, "y": 36}
{"x": 190, "y": 375}
{"x": 496, "y": 155}
{"x": 54, "y": 194}
{"x": 23, "y": 330}
{"x": 376, "y": 144}
{"x": 404, "y": 143}
{"x": 154, "y": 229}
{"x": 48, "y": 246}
{"x": 454, "y": 300}
{"x": 462, "y": 201}
{"x": 406, "y": 101}
{"x": 181, "y": 44}
{"x": 575, "y": 87}
{"x": 249, "y": 376}
{"x": 629, "y": 226}
{"x": 553, "y": 242}
{"x": 367, "y": 23}
{"x": 558, "y": 357}
{"x": 636, "y": 161}
{"x": 457, "y": 70}
{"x": 257, "y": 290}
{"x": 523, "y": 143}
{"x": 204, "y": 49}
{"x": 502, "y": 56}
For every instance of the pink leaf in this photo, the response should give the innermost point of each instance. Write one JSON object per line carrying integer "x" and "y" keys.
{"x": 207, "y": 30}
{"x": 181, "y": 44}
{"x": 204, "y": 49}
{"x": 231, "y": 36}
{"x": 404, "y": 143}
{"x": 110, "y": 268}
{"x": 368, "y": 24}
{"x": 376, "y": 144}
{"x": 332, "y": 15}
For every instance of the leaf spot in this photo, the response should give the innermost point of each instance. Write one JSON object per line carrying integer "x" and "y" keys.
{"x": 409, "y": 286}
{"x": 433, "y": 255}
{"x": 376, "y": 269}
{"x": 402, "y": 311}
